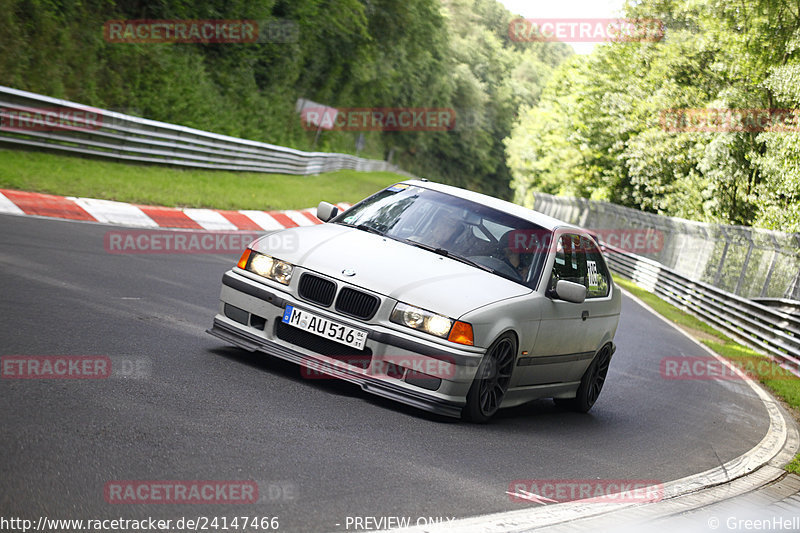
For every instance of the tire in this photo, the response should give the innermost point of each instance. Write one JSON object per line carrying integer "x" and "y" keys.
{"x": 491, "y": 381}
{"x": 591, "y": 383}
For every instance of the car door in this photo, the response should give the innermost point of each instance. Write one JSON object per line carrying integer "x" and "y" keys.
{"x": 561, "y": 351}
{"x": 603, "y": 315}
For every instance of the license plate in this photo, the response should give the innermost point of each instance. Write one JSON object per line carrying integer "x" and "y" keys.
{"x": 323, "y": 327}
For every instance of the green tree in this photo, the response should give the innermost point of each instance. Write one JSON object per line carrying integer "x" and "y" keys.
{"x": 600, "y": 128}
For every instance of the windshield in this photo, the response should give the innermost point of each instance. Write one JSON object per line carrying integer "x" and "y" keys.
{"x": 454, "y": 227}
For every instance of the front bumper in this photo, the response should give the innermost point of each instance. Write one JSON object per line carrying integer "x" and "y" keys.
{"x": 249, "y": 316}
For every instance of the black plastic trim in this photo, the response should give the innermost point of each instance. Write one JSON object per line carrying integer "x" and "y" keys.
{"x": 553, "y": 359}
{"x": 257, "y": 292}
{"x": 346, "y": 299}
{"x": 311, "y": 286}
{"x": 234, "y": 313}
{"x": 251, "y": 342}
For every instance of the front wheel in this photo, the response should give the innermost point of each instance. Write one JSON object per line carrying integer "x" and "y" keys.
{"x": 492, "y": 379}
{"x": 591, "y": 383}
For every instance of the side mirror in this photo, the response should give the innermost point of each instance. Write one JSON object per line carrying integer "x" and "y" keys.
{"x": 569, "y": 291}
{"x": 326, "y": 211}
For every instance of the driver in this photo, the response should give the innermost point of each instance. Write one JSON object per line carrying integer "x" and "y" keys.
{"x": 521, "y": 263}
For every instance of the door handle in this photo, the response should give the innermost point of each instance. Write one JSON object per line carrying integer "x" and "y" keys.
{"x": 584, "y": 315}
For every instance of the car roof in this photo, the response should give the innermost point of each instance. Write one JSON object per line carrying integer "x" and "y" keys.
{"x": 540, "y": 219}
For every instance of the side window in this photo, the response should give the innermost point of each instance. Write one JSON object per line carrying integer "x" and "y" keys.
{"x": 597, "y": 277}
{"x": 570, "y": 262}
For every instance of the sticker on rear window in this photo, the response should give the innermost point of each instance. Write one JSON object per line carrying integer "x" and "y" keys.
{"x": 591, "y": 270}
{"x": 397, "y": 187}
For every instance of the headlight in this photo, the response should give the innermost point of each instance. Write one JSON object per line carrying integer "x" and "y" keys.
{"x": 267, "y": 266}
{"x": 432, "y": 323}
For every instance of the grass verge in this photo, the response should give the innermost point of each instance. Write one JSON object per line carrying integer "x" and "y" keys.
{"x": 780, "y": 382}
{"x": 172, "y": 187}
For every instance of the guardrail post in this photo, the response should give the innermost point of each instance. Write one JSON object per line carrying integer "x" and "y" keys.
{"x": 793, "y": 291}
{"x": 721, "y": 264}
{"x": 771, "y": 268}
{"x": 738, "y": 289}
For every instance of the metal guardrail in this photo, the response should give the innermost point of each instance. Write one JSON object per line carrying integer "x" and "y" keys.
{"x": 750, "y": 262}
{"x": 763, "y": 328}
{"x": 128, "y": 138}
{"x": 791, "y": 307}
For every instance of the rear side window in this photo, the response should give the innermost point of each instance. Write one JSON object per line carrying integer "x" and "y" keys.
{"x": 597, "y": 277}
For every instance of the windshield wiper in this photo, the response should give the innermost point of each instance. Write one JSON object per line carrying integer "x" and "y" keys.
{"x": 363, "y": 227}
{"x": 468, "y": 261}
{"x": 451, "y": 255}
{"x": 369, "y": 229}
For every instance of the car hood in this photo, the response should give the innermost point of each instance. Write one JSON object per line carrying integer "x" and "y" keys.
{"x": 391, "y": 268}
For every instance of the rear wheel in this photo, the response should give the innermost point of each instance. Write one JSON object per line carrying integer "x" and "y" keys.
{"x": 492, "y": 379}
{"x": 591, "y": 383}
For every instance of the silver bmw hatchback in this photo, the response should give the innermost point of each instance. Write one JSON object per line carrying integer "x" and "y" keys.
{"x": 441, "y": 298}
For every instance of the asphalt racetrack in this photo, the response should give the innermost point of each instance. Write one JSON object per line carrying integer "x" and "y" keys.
{"x": 188, "y": 407}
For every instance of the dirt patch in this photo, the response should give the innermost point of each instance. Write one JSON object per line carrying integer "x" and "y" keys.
{"x": 700, "y": 334}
